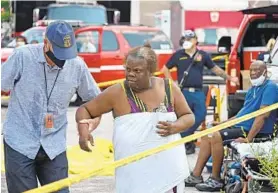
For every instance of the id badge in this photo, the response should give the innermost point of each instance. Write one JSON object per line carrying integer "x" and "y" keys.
{"x": 49, "y": 122}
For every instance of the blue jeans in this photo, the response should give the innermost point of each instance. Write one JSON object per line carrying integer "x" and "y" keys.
{"x": 22, "y": 172}
{"x": 197, "y": 103}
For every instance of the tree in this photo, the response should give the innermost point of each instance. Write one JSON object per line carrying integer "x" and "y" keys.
{"x": 5, "y": 11}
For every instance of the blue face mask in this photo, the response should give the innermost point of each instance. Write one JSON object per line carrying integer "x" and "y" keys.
{"x": 56, "y": 61}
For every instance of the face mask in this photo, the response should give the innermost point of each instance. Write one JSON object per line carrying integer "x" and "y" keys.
{"x": 20, "y": 43}
{"x": 59, "y": 63}
{"x": 258, "y": 81}
{"x": 187, "y": 45}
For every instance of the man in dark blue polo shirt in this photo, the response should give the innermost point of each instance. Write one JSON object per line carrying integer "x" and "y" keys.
{"x": 193, "y": 84}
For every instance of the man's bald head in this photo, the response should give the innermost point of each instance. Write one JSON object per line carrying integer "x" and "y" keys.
{"x": 259, "y": 63}
{"x": 257, "y": 69}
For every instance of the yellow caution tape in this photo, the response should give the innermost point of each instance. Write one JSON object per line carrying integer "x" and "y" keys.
{"x": 220, "y": 57}
{"x": 55, "y": 186}
{"x": 109, "y": 83}
{"x": 161, "y": 73}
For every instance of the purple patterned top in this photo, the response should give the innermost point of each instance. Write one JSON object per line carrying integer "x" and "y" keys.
{"x": 135, "y": 109}
{"x": 165, "y": 106}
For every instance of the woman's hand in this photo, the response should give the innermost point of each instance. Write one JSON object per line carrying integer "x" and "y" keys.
{"x": 165, "y": 128}
{"x": 85, "y": 127}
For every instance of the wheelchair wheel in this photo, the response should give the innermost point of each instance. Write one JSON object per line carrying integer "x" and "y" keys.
{"x": 234, "y": 188}
{"x": 254, "y": 186}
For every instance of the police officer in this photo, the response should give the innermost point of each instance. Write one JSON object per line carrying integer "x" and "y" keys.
{"x": 192, "y": 84}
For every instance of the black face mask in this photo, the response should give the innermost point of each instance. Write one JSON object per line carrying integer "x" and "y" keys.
{"x": 59, "y": 63}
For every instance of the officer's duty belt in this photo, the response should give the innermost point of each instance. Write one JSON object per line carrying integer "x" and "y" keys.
{"x": 191, "y": 89}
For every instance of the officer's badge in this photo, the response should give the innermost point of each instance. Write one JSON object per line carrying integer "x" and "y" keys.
{"x": 67, "y": 41}
{"x": 183, "y": 58}
{"x": 199, "y": 58}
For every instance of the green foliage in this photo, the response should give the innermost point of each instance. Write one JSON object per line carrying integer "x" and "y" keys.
{"x": 269, "y": 163}
{"x": 5, "y": 15}
{"x": 270, "y": 167}
{"x": 5, "y": 4}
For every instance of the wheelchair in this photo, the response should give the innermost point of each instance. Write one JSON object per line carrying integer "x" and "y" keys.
{"x": 241, "y": 171}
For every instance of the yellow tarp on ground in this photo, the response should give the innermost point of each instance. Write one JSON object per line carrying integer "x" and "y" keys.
{"x": 80, "y": 161}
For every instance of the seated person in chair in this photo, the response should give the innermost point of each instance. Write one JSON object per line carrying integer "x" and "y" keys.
{"x": 262, "y": 93}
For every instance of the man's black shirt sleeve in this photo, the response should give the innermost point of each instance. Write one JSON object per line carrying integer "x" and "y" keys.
{"x": 173, "y": 61}
{"x": 208, "y": 61}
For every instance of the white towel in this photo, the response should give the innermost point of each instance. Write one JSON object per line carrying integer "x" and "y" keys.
{"x": 256, "y": 149}
{"x": 159, "y": 173}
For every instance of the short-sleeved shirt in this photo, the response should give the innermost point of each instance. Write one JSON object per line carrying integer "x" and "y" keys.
{"x": 182, "y": 60}
{"x": 23, "y": 74}
{"x": 257, "y": 96}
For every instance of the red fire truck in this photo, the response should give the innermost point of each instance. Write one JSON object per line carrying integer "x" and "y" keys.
{"x": 210, "y": 26}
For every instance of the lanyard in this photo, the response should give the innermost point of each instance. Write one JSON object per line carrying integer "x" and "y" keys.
{"x": 185, "y": 73}
{"x": 48, "y": 96}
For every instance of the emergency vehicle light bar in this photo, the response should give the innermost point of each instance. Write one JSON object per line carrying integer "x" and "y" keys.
{"x": 84, "y": 2}
{"x": 73, "y": 23}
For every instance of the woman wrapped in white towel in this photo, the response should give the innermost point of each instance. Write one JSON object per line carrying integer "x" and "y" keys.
{"x": 148, "y": 112}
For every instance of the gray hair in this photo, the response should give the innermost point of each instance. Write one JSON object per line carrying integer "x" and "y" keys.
{"x": 145, "y": 52}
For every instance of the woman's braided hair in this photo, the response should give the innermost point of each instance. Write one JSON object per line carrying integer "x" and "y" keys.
{"x": 144, "y": 52}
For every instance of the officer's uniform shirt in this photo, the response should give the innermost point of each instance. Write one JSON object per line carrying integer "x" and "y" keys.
{"x": 182, "y": 60}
